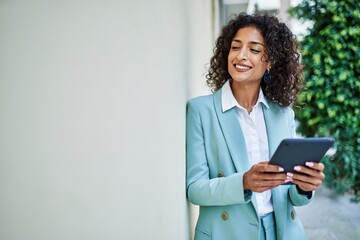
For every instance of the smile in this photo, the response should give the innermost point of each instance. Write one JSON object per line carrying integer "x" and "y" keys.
{"x": 242, "y": 67}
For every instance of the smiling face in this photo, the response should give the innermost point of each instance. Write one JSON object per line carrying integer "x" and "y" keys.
{"x": 247, "y": 58}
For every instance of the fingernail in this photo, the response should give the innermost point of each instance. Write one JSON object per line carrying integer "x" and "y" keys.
{"x": 297, "y": 168}
{"x": 289, "y": 174}
{"x": 309, "y": 164}
{"x": 288, "y": 180}
{"x": 281, "y": 169}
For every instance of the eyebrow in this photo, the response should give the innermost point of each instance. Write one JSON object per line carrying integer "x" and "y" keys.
{"x": 251, "y": 42}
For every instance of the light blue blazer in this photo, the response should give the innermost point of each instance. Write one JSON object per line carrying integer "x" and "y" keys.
{"x": 216, "y": 161}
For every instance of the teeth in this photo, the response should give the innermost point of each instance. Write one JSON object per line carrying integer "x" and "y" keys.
{"x": 242, "y": 67}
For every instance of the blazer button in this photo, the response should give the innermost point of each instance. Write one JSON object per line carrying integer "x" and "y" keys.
{"x": 224, "y": 216}
{"x": 220, "y": 174}
{"x": 292, "y": 214}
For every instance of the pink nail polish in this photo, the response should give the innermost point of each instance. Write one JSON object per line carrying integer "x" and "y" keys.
{"x": 309, "y": 164}
{"x": 297, "y": 168}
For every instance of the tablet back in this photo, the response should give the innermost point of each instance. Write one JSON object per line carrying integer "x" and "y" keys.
{"x": 296, "y": 151}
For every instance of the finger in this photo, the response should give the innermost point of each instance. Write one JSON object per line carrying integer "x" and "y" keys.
{"x": 273, "y": 182}
{"x": 270, "y": 168}
{"x": 306, "y": 187}
{"x": 273, "y": 176}
{"x": 315, "y": 165}
{"x": 265, "y": 187}
{"x": 310, "y": 172}
{"x": 260, "y": 182}
{"x": 305, "y": 179}
{"x": 265, "y": 167}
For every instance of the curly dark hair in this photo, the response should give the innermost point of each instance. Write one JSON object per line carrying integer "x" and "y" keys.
{"x": 281, "y": 51}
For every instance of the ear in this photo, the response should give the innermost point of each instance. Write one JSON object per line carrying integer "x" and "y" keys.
{"x": 268, "y": 66}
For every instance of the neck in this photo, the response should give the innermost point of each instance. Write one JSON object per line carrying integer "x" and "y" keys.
{"x": 245, "y": 94}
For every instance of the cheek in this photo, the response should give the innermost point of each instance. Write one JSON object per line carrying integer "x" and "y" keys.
{"x": 230, "y": 59}
{"x": 262, "y": 63}
{"x": 230, "y": 68}
{"x": 264, "y": 60}
{"x": 229, "y": 64}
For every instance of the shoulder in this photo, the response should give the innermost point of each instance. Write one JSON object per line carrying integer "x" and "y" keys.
{"x": 203, "y": 107}
{"x": 201, "y": 100}
{"x": 280, "y": 114}
{"x": 201, "y": 103}
{"x": 276, "y": 108}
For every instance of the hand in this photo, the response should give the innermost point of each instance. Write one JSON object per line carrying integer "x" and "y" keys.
{"x": 264, "y": 176}
{"x": 312, "y": 179}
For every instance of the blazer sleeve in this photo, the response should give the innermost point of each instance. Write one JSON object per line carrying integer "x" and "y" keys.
{"x": 201, "y": 190}
{"x": 297, "y": 198}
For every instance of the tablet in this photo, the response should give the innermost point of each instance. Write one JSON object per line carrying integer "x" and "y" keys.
{"x": 297, "y": 151}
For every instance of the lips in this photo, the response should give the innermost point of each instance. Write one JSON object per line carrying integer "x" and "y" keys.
{"x": 242, "y": 67}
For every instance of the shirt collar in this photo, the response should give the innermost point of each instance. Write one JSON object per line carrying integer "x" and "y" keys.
{"x": 228, "y": 100}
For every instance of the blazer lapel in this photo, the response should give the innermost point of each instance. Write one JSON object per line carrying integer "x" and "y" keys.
{"x": 233, "y": 134}
{"x": 234, "y": 138}
{"x": 276, "y": 131}
{"x": 276, "y": 127}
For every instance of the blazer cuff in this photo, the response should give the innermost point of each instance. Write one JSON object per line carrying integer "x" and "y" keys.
{"x": 308, "y": 194}
{"x": 297, "y": 198}
{"x": 247, "y": 195}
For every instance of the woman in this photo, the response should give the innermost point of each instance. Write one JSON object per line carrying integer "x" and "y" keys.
{"x": 255, "y": 76}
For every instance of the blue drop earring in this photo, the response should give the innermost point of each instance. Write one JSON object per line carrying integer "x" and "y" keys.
{"x": 266, "y": 78}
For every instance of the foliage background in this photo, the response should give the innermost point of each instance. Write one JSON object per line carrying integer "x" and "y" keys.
{"x": 330, "y": 102}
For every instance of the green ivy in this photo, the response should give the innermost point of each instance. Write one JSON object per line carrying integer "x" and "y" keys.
{"x": 330, "y": 102}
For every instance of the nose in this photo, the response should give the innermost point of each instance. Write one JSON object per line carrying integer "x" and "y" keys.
{"x": 243, "y": 54}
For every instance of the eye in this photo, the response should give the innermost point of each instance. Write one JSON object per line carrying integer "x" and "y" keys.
{"x": 255, "y": 50}
{"x": 235, "y": 48}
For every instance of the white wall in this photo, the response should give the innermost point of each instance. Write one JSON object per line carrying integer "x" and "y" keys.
{"x": 92, "y": 119}
{"x": 202, "y": 18}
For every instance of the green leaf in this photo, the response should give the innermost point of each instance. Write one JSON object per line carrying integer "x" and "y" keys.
{"x": 331, "y": 53}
